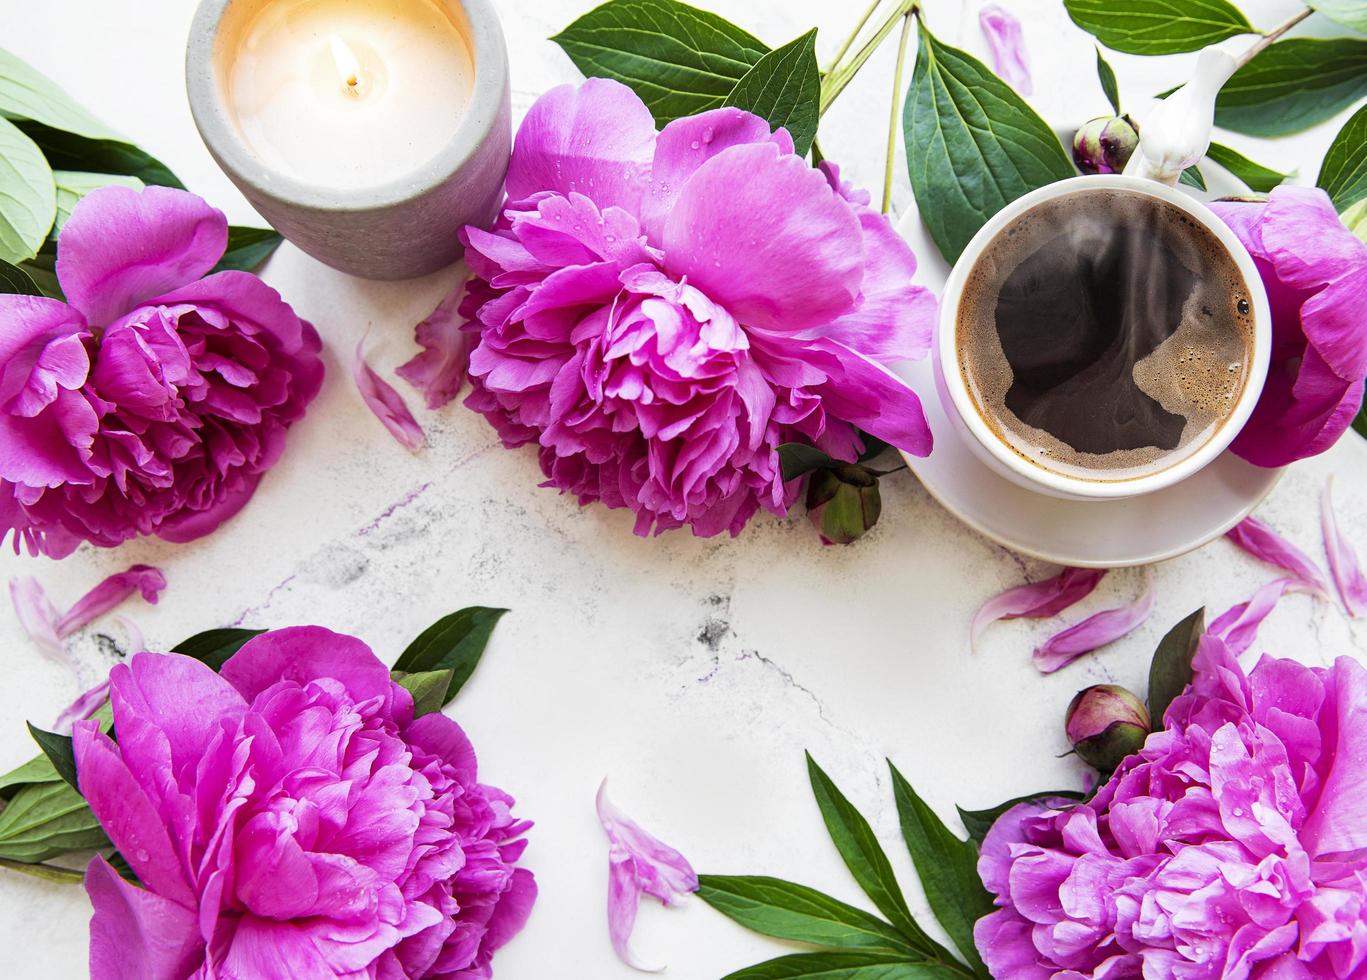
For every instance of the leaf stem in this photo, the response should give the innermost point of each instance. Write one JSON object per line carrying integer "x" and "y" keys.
{"x": 1266, "y": 40}
{"x": 892, "y": 114}
{"x": 854, "y": 35}
{"x": 834, "y": 83}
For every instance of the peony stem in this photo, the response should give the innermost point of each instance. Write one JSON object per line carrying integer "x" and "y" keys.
{"x": 854, "y": 35}
{"x": 1263, "y": 42}
{"x": 835, "y": 81}
{"x": 892, "y": 114}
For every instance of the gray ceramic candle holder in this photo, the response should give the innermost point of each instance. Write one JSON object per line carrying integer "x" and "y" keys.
{"x": 398, "y": 230}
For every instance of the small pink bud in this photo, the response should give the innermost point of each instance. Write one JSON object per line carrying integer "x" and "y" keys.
{"x": 1105, "y": 144}
{"x": 1105, "y": 723}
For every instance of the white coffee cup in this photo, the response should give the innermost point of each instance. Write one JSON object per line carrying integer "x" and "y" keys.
{"x": 961, "y": 407}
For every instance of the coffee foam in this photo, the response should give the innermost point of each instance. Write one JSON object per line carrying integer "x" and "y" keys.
{"x": 1197, "y": 373}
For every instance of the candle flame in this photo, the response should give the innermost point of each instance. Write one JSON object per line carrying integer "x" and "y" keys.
{"x": 347, "y": 65}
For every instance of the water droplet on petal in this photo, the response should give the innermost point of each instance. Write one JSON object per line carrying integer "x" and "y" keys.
{"x": 694, "y": 145}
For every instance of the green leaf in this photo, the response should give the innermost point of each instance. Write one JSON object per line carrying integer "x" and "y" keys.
{"x": 428, "y": 689}
{"x": 1158, "y": 26}
{"x": 120, "y": 864}
{"x": 1192, "y": 178}
{"x": 873, "y": 447}
{"x": 45, "y": 279}
{"x": 785, "y": 910}
{"x": 979, "y": 822}
{"x": 14, "y": 280}
{"x": 49, "y": 872}
{"x": 248, "y": 248}
{"x": 1255, "y": 176}
{"x": 45, "y": 820}
{"x": 846, "y": 966}
{"x": 1106, "y": 75}
{"x": 1170, "y": 669}
{"x": 1356, "y": 220}
{"x": 72, "y": 185}
{"x": 973, "y": 145}
{"x": 28, "y": 196}
{"x": 1292, "y": 85}
{"x": 59, "y": 751}
{"x": 1343, "y": 174}
{"x": 26, "y": 93}
{"x": 678, "y": 59}
{"x": 454, "y": 642}
{"x": 214, "y": 647}
{"x": 948, "y": 869}
{"x": 71, "y": 151}
{"x": 1360, "y": 419}
{"x": 784, "y": 88}
{"x": 1349, "y": 13}
{"x": 797, "y": 459}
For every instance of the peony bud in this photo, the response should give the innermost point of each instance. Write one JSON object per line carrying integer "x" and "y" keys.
{"x": 1105, "y": 723}
{"x": 1105, "y": 144}
{"x": 843, "y": 502}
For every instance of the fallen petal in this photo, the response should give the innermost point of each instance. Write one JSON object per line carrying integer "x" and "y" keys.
{"x": 1036, "y": 600}
{"x": 83, "y": 707}
{"x": 1238, "y": 624}
{"x": 1265, "y": 544}
{"x": 1343, "y": 561}
{"x": 1006, "y": 47}
{"x": 109, "y": 593}
{"x": 1095, "y": 631}
{"x": 439, "y": 370}
{"x": 387, "y": 404}
{"x": 38, "y": 617}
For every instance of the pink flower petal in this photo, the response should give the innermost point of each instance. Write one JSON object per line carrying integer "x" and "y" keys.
{"x": 1265, "y": 544}
{"x": 1343, "y": 561}
{"x": 109, "y": 593}
{"x": 38, "y": 617}
{"x": 387, "y": 404}
{"x": 439, "y": 370}
{"x": 84, "y": 705}
{"x": 1095, "y": 631}
{"x": 1036, "y": 600}
{"x": 1238, "y": 624}
{"x": 637, "y": 863}
{"x": 1006, "y": 47}
{"x": 136, "y": 933}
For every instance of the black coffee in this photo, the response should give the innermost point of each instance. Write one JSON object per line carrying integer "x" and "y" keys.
{"x": 1105, "y": 334}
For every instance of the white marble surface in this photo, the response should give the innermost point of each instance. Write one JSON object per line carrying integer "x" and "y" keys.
{"x": 693, "y": 673}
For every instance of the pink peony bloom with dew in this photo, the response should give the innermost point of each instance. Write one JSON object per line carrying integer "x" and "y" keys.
{"x": 657, "y": 312}
{"x": 289, "y": 817}
{"x": 1315, "y": 273}
{"x": 155, "y": 397}
{"x": 1232, "y": 845}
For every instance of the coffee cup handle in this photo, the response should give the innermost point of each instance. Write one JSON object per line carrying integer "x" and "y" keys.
{"x": 1176, "y": 134}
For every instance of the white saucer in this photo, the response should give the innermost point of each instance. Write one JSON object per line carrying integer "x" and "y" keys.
{"x": 1086, "y": 533}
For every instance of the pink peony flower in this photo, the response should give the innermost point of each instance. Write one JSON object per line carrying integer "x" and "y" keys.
{"x": 1233, "y": 845}
{"x": 1315, "y": 273}
{"x": 659, "y": 311}
{"x": 152, "y": 401}
{"x": 290, "y": 818}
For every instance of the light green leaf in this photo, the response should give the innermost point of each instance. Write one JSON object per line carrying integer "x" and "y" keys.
{"x": 39, "y": 769}
{"x": 1343, "y": 175}
{"x": 785, "y": 910}
{"x": 454, "y": 642}
{"x": 1106, "y": 75}
{"x": 973, "y": 145}
{"x": 15, "y": 281}
{"x": 678, "y": 59}
{"x": 26, "y": 93}
{"x": 48, "y": 872}
{"x": 784, "y": 88}
{"x": 71, "y": 151}
{"x": 214, "y": 647}
{"x": 248, "y": 248}
{"x": 1349, "y": 13}
{"x": 1192, "y": 178}
{"x": 1292, "y": 85}
{"x": 1356, "y": 220}
{"x": 846, "y": 966}
{"x": 72, "y": 185}
{"x": 28, "y": 196}
{"x": 1158, "y": 26}
{"x": 1254, "y": 175}
{"x": 427, "y": 687}
{"x": 44, "y": 820}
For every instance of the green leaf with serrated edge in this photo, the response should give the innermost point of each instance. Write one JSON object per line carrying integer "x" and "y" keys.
{"x": 26, "y": 93}
{"x": 1292, "y": 85}
{"x": 973, "y": 145}
{"x": 847, "y": 966}
{"x": 44, "y": 820}
{"x": 70, "y": 151}
{"x": 248, "y": 248}
{"x": 784, "y": 88}
{"x": 59, "y": 751}
{"x": 948, "y": 869}
{"x": 1158, "y": 26}
{"x": 979, "y": 822}
{"x": 1192, "y": 178}
{"x": 1343, "y": 174}
{"x": 864, "y": 856}
{"x": 454, "y": 642}
{"x": 1350, "y": 13}
{"x": 28, "y": 195}
{"x": 1255, "y": 176}
{"x": 48, "y": 872}
{"x": 797, "y": 459}
{"x": 214, "y": 647}
{"x": 1106, "y": 75}
{"x": 678, "y": 59}
{"x": 15, "y": 281}
{"x": 1170, "y": 669}
{"x": 427, "y": 687}
{"x": 784, "y": 910}
{"x": 72, "y": 185}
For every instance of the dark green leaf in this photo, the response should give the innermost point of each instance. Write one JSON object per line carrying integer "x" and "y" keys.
{"x": 214, "y": 647}
{"x": 69, "y": 151}
{"x": 49, "y": 872}
{"x": 1360, "y": 420}
{"x": 1292, "y": 85}
{"x": 1343, "y": 175}
{"x": 44, "y": 820}
{"x": 873, "y": 446}
{"x": 14, "y": 280}
{"x": 678, "y": 59}
{"x": 798, "y": 459}
{"x": 427, "y": 687}
{"x": 454, "y": 642}
{"x": 248, "y": 248}
{"x": 948, "y": 869}
{"x": 1255, "y": 176}
{"x": 1170, "y": 669}
{"x": 846, "y": 966}
{"x": 1349, "y": 13}
{"x": 59, "y": 751}
{"x": 973, "y": 145}
{"x": 1158, "y": 26}
{"x": 28, "y": 195}
{"x": 125, "y": 871}
{"x": 784, "y": 88}
{"x": 1192, "y": 178}
{"x": 26, "y": 93}
{"x": 979, "y": 822}
{"x": 1108, "y": 84}
{"x": 44, "y": 279}
{"x": 786, "y": 910}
